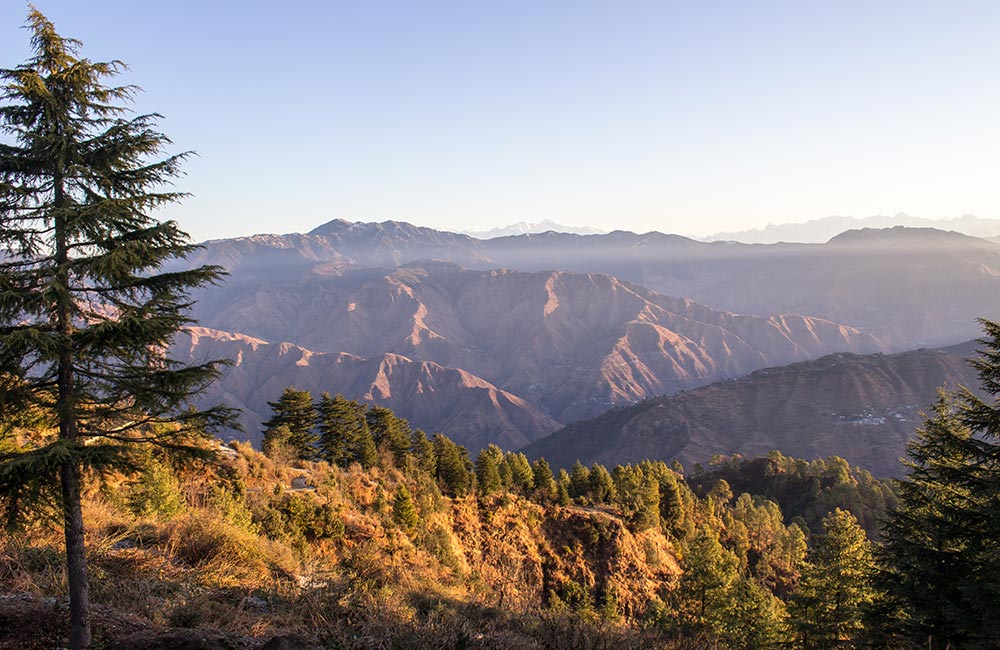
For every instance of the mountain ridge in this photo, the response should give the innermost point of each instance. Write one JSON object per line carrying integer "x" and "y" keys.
{"x": 822, "y": 229}
{"x": 435, "y": 397}
{"x": 569, "y": 344}
{"x": 863, "y": 408}
{"x": 928, "y": 296}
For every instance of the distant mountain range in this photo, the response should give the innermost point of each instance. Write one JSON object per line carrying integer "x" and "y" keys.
{"x": 551, "y": 346}
{"x": 525, "y": 228}
{"x": 908, "y": 287}
{"x": 507, "y": 339}
{"x": 821, "y": 230}
{"x": 860, "y": 407}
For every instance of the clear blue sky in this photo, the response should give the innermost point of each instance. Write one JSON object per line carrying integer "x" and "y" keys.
{"x": 681, "y": 117}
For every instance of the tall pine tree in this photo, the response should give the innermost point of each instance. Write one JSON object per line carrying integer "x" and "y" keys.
{"x": 342, "y": 425}
{"x": 835, "y": 589}
{"x": 293, "y": 419}
{"x": 941, "y": 557}
{"x": 86, "y": 312}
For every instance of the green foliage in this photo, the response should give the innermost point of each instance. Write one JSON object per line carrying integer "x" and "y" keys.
{"x": 562, "y": 493}
{"x": 829, "y": 603}
{"x": 601, "y": 486}
{"x": 342, "y": 425}
{"x": 155, "y": 492}
{"x": 403, "y": 509}
{"x": 301, "y": 517}
{"x": 488, "y": 470}
{"x": 388, "y": 431}
{"x": 672, "y": 510}
{"x": 579, "y": 481}
{"x": 545, "y": 483}
{"x": 291, "y": 424}
{"x": 941, "y": 560}
{"x": 638, "y": 496}
{"x": 423, "y": 452}
{"x": 232, "y": 506}
{"x": 87, "y": 312}
{"x": 807, "y": 489}
{"x": 454, "y": 469}
{"x": 753, "y": 618}
{"x": 704, "y": 592}
{"x": 365, "y": 452}
{"x": 522, "y": 476}
{"x": 277, "y": 443}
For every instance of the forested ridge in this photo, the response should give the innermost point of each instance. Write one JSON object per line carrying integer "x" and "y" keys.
{"x": 418, "y": 545}
{"x": 354, "y": 530}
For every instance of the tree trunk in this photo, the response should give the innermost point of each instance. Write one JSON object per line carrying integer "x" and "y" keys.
{"x": 69, "y": 473}
{"x": 76, "y": 559}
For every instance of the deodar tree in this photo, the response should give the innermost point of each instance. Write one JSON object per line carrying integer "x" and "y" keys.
{"x": 87, "y": 312}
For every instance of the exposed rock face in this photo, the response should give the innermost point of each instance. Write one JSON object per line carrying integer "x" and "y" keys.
{"x": 570, "y": 344}
{"x": 471, "y": 410}
{"x": 863, "y": 408}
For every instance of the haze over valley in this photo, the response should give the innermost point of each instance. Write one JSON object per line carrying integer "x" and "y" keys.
{"x": 505, "y": 340}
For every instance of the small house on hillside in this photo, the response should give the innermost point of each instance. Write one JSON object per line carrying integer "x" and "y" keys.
{"x": 302, "y": 482}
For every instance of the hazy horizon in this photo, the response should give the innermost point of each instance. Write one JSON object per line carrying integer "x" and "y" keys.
{"x": 691, "y": 120}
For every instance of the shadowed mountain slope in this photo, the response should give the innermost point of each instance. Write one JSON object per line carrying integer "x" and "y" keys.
{"x": 860, "y": 407}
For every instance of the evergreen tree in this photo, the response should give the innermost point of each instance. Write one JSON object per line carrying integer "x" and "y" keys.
{"x": 709, "y": 572}
{"x": 389, "y": 432}
{"x": 941, "y": 557}
{"x": 488, "y": 470}
{"x": 295, "y": 410}
{"x": 638, "y": 497}
{"x": 342, "y": 427}
{"x": 563, "y": 482}
{"x": 828, "y": 605}
{"x": 982, "y": 478}
{"x": 671, "y": 505}
{"x": 923, "y": 556}
{"x": 545, "y": 483}
{"x": 602, "y": 486}
{"x": 454, "y": 469}
{"x": 579, "y": 480}
{"x": 363, "y": 449}
{"x": 562, "y": 493}
{"x": 423, "y": 452}
{"x": 403, "y": 509}
{"x": 522, "y": 477}
{"x": 506, "y": 474}
{"x": 753, "y": 618}
{"x": 86, "y": 312}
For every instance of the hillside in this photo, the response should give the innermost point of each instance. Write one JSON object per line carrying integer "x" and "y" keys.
{"x": 863, "y": 408}
{"x": 570, "y": 345}
{"x": 420, "y": 551}
{"x": 448, "y": 400}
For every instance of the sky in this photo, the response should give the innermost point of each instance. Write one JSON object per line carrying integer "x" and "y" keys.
{"x": 688, "y": 117}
